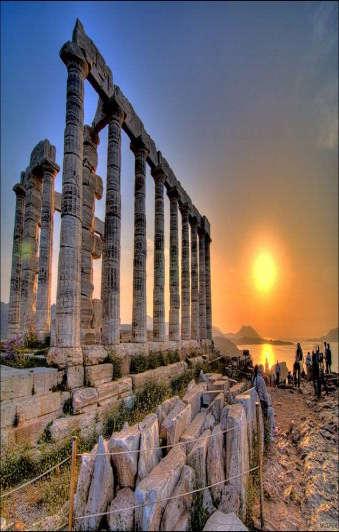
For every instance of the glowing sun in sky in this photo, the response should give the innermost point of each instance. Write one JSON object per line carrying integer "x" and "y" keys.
{"x": 264, "y": 271}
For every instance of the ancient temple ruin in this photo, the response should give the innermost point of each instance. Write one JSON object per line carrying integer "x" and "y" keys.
{"x": 84, "y": 327}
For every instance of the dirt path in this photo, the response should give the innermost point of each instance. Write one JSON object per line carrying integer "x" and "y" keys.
{"x": 300, "y": 469}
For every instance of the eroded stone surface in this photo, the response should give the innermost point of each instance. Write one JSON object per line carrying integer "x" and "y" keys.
{"x": 120, "y": 520}
{"x": 126, "y": 465}
{"x": 149, "y": 456}
{"x": 178, "y": 511}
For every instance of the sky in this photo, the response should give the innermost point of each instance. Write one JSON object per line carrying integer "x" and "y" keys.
{"x": 241, "y": 98}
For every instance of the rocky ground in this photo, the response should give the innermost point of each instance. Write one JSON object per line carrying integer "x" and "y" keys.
{"x": 301, "y": 467}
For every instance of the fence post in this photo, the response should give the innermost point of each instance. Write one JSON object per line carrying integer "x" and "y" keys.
{"x": 72, "y": 483}
{"x": 260, "y": 454}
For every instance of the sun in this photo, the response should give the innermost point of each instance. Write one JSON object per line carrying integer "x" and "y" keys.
{"x": 264, "y": 272}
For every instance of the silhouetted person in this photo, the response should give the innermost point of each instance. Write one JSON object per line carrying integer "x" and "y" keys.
{"x": 308, "y": 366}
{"x": 316, "y": 373}
{"x": 277, "y": 373}
{"x": 297, "y": 365}
{"x": 289, "y": 378}
{"x": 328, "y": 358}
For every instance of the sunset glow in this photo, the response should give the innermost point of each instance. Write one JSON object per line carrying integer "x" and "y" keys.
{"x": 264, "y": 272}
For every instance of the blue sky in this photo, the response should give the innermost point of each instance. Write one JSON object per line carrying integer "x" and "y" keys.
{"x": 240, "y": 97}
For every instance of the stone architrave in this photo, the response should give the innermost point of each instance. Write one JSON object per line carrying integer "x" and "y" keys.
{"x": 139, "y": 331}
{"x": 91, "y": 190}
{"x": 194, "y": 280}
{"x": 29, "y": 278}
{"x": 202, "y": 285}
{"x": 49, "y": 170}
{"x": 110, "y": 282}
{"x": 159, "y": 258}
{"x": 208, "y": 288}
{"x": 174, "y": 333}
{"x": 68, "y": 302}
{"x": 15, "y": 287}
{"x": 185, "y": 274}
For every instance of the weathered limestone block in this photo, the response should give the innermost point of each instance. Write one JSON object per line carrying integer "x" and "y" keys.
{"x": 63, "y": 357}
{"x": 7, "y": 413}
{"x": 223, "y": 417}
{"x": 164, "y": 409}
{"x": 193, "y": 397}
{"x": 126, "y": 465}
{"x": 83, "y": 397}
{"x": 176, "y": 422}
{"x": 178, "y": 511}
{"x": 101, "y": 489}
{"x": 193, "y": 431}
{"x": 159, "y": 484}
{"x": 216, "y": 406}
{"x": 163, "y": 373}
{"x": 122, "y": 520}
{"x": 97, "y": 314}
{"x": 31, "y": 431}
{"x": 216, "y": 463}
{"x": 149, "y": 456}
{"x": 65, "y": 426}
{"x": 209, "y": 423}
{"x": 108, "y": 390}
{"x": 237, "y": 389}
{"x": 237, "y": 462}
{"x": 75, "y": 377}
{"x": 84, "y": 482}
{"x": 44, "y": 379}
{"x": 15, "y": 383}
{"x": 246, "y": 401}
{"x": 96, "y": 375}
{"x": 224, "y": 522}
{"x": 197, "y": 459}
{"x": 38, "y": 405}
{"x": 94, "y": 354}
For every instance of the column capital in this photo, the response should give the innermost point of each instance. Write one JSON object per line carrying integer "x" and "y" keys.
{"x": 115, "y": 111}
{"x": 158, "y": 174}
{"x": 138, "y": 145}
{"x": 173, "y": 193}
{"x": 72, "y": 55}
{"x": 193, "y": 220}
{"x": 50, "y": 167}
{"x": 185, "y": 208}
{"x": 19, "y": 190}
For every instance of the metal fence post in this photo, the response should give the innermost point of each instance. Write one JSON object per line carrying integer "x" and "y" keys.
{"x": 72, "y": 484}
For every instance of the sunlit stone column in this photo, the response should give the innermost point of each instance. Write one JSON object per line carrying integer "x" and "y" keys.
{"x": 159, "y": 258}
{"x": 174, "y": 333}
{"x": 43, "y": 308}
{"x": 208, "y": 288}
{"x": 185, "y": 274}
{"x": 32, "y": 221}
{"x": 13, "y": 326}
{"x": 194, "y": 281}
{"x": 202, "y": 285}
{"x": 68, "y": 351}
{"x": 139, "y": 330}
{"x": 110, "y": 281}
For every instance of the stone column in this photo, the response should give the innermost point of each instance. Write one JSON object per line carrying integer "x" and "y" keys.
{"x": 159, "y": 258}
{"x": 91, "y": 190}
{"x": 202, "y": 284}
{"x": 110, "y": 280}
{"x": 13, "y": 327}
{"x": 32, "y": 221}
{"x": 174, "y": 332}
{"x": 68, "y": 350}
{"x": 194, "y": 281}
{"x": 43, "y": 309}
{"x": 185, "y": 275}
{"x": 139, "y": 329}
{"x": 208, "y": 289}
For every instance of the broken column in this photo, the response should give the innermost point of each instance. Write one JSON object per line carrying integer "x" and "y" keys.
{"x": 139, "y": 330}
{"x": 13, "y": 327}
{"x": 174, "y": 333}
{"x": 68, "y": 347}
{"x": 185, "y": 274}
{"x": 49, "y": 170}
{"x": 202, "y": 284}
{"x": 194, "y": 280}
{"x": 110, "y": 281}
{"x": 208, "y": 288}
{"x": 159, "y": 258}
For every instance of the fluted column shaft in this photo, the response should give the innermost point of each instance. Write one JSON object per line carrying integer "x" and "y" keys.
{"x": 139, "y": 330}
{"x": 13, "y": 327}
{"x": 110, "y": 282}
{"x": 174, "y": 333}
{"x": 69, "y": 272}
{"x": 194, "y": 282}
{"x": 208, "y": 289}
{"x": 202, "y": 286}
{"x": 159, "y": 260}
{"x": 43, "y": 308}
{"x": 29, "y": 278}
{"x": 185, "y": 275}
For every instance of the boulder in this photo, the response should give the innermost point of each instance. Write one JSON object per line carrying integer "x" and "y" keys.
{"x": 224, "y": 522}
{"x": 126, "y": 465}
{"x": 178, "y": 511}
{"x": 159, "y": 484}
{"x": 101, "y": 489}
{"x": 176, "y": 422}
{"x": 120, "y": 519}
{"x": 215, "y": 464}
{"x": 82, "y": 397}
{"x": 237, "y": 462}
{"x": 193, "y": 431}
{"x": 149, "y": 455}
{"x": 84, "y": 482}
